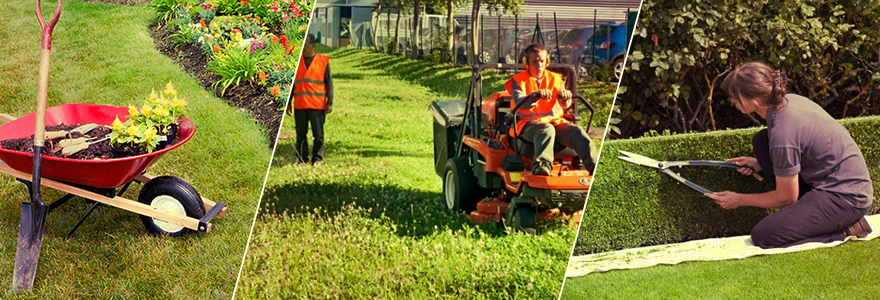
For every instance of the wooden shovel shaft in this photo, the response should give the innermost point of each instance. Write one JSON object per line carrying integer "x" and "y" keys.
{"x": 42, "y": 98}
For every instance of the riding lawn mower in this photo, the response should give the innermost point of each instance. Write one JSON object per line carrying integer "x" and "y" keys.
{"x": 485, "y": 170}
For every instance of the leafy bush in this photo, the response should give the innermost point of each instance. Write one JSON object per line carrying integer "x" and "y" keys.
{"x": 166, "y": 10}
{"x": 633, "y": 206}
{"x": 234, "y": 65}
{"x": 681, "y": 51}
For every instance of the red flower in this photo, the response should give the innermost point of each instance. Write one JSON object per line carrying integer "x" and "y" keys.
{"x": 216, "y": 48}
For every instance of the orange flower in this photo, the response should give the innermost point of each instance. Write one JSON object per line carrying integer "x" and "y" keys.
{"x": 275, "y": 90}
{"x": 262, "y": 76}
{"x": 216, "y": 48}
{"x": 274, "y": 39}
{"x": 202, "y": 22}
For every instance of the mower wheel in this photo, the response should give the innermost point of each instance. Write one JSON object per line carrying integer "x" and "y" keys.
{"x": 170, "y": 195}
{"x": 618, "y": 69}
{"x": 522, "y": 218}
{"x": 460, "y": 188}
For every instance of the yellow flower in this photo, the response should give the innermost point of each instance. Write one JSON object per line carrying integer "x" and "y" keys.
{"x": 169, "y": 90}
{"x": 133, "y": 130}
{"x": 178, "y": 102}
{"x": 146, "y": 110}
{"x": 152, "y": 97}
{"x": 151, "y": 133}
{"x": 117, "y": 125}
{"x": 132, "y": 111}
{"x": 161, "y": 111}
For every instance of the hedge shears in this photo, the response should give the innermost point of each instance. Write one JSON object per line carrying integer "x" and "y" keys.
{"x": 665, "y": 165}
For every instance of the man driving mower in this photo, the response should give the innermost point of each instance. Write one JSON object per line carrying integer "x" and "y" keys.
{"x": 539, "y": 120}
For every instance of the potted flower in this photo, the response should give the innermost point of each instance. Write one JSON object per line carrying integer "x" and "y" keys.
{"x": 151, "y": 127}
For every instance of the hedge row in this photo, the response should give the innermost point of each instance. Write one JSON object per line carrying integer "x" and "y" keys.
{"x": 633, "y": 206}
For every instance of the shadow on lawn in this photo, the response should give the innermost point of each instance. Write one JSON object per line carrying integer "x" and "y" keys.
{"x": 442, "y": 79}
{"x": 415, "y": 213}
{"x": 285, "y": 151}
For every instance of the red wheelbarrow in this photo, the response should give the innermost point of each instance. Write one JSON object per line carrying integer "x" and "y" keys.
{"x": 166, "y": 205}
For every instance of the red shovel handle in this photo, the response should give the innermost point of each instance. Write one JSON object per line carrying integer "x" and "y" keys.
{"x": 47, "y": 28}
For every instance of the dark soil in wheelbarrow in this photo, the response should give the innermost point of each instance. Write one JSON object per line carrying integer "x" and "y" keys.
{"x": 255, "y": 99}
{"x": 100, "y": 150}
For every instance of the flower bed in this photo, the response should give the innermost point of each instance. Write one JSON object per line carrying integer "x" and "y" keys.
{"x": 243, "y": 51}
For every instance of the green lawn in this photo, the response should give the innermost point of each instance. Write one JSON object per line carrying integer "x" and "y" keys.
{"x": 370, "y": 222}
{"x": 103, "y": 54}
{"x": 849, "y": 271}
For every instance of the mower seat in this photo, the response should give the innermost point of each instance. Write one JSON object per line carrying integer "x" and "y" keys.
{"x": 522, "y": 147}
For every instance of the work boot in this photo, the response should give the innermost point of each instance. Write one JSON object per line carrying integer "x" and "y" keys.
{"x": 859, "y": 229}
{"x": 542, "y": 168}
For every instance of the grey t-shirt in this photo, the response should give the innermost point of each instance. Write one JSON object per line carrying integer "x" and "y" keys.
{"x": 806, "y": 140}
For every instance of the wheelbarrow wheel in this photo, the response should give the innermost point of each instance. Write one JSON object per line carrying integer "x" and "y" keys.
{"x": 460, "y": 188}
{"x": 171, "y": 195}
{"x": 522, "y": 219}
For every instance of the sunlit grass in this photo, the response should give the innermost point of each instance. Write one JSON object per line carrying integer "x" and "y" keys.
{"x": 371, "y": 222}
{"x": 103, "y": 54}
{"x": 849, "y": 271}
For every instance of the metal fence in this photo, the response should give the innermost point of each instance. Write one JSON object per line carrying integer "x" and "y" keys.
{"x": 500, "y": 38}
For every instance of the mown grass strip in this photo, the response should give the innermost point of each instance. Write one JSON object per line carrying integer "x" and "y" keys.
{"x": 370, "y": 222}
{"x": 103, "y": 54}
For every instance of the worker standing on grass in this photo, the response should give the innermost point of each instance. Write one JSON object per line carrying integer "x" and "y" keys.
{"x": 312, "y": 101}
{"x": 820, "y": 177}
{"x": 540, "y": 120}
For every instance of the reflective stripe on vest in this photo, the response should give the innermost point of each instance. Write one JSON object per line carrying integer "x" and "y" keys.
{"x": 545, "y": 110}
{"x": 309, "y": 91}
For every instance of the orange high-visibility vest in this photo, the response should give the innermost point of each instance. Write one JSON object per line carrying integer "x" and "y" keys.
{"x": 309, "y": 91}
{"x": 546, "y": 110}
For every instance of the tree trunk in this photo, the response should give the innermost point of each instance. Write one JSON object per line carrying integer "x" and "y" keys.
{"x": 397, "y": 29}
{"x": 388, "y": 21}
{"x": 450, "y": 31}
{"x": 473, "y": 49}
{"x": 376, "y": 26}
{"x": 416, "y": 37}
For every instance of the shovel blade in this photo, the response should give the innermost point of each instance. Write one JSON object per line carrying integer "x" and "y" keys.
{"x": 30, "y": 239}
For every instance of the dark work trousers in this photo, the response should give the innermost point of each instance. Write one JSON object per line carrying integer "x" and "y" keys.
{"x": 545, "y": 135}
{"x": 302, "y": 118}
{"x": 817, "y": 216}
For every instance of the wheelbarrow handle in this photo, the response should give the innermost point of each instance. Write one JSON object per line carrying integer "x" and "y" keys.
{"x": 47, "y": 28}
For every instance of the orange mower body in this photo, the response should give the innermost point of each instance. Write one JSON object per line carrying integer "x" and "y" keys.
{"x": 485, "y": 171}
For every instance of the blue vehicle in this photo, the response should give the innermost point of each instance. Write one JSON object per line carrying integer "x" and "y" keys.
{"x": 607, "y": 45}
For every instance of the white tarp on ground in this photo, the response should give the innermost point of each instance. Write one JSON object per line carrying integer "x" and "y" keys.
{"x": 700, "y": 250}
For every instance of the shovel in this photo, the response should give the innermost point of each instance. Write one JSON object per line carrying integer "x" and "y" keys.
{"x": 33, "y": 214}
{"x": 81, "y": 130}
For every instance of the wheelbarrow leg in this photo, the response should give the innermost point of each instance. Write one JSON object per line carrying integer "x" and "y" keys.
{"x": 81, "y": 220}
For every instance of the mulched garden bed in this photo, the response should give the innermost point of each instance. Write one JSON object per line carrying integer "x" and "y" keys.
{"x": 256, "y": 99}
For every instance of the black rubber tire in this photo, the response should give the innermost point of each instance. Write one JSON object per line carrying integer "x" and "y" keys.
{"x": 176, "y": 189}
{"x": 460, "y": 189}
{"x": 522, "y": 219}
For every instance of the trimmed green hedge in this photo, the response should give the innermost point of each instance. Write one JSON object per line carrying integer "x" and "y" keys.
{"x": 633, "y": 206}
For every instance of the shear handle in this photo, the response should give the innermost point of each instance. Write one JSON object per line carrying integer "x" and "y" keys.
{"x": 686, "y": 182}
{"x": 47, "y": 28}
